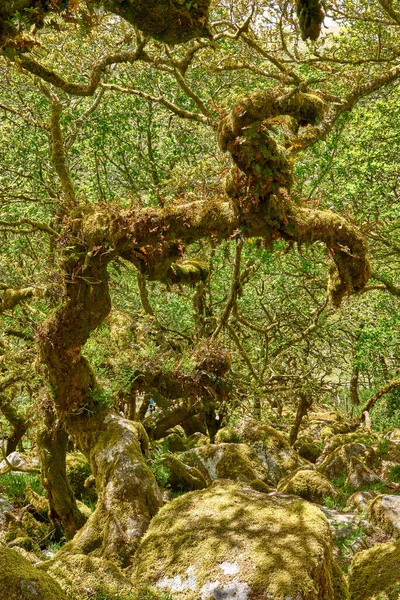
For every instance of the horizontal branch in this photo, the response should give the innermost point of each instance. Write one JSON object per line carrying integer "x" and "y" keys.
{"x": 386, "y": 389}
{"x": 77, "y": 89}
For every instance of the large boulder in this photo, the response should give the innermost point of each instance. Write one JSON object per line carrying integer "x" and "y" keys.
{"x": 181, "y": 476}
{"x": 360, "y": 476}
{"x": 359, "y": 437}
{"x": 231, "y": 542}
{"x": 15, "y": 461}
{"x": 226, "y": 461}
{"x": 308, "y": 484}
{"x": 375, "y": 573}
{"x": 19, "y": 580}
{"x": 385, "y": 512}
{"x": 338, "y": 462}
{"x": 273, "y": 450}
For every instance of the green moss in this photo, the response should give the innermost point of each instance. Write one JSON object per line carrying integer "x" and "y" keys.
{"x": 307, "y": 484}
{"x": 226, "y": 461}
{"x": 228, "y": 435}
{"x": 27, "y": 543}
{"x": 311, "y": 17}
{"x": 197, "y": 439}
{"x": 78, "y": 470}
{"x": 189, "y": 272}
{"x": 276, "y": 545}
{"x": 383, "y": 513}
{"x": 169, "y": 21}
{"x": 84, "y": 577}
{"x": 340, "y": 587}
{"x": 326, "y": 433}
{"x": 359, "y": 437}
{"x": 175, "y": 443}
{"x": 22, "y": 581}
{"x": 181, "y": 476}
{"x": 376, "y": 571}
{"x": 309, "y": 451}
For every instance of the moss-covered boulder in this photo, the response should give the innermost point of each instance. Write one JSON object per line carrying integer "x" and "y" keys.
{"x": 272, "y": 449}
{"x": 26, "y": 542}
{"x": 197, "y": 439}
{"x": 228, "y": 435}
{"x": 229, "y": 541}
{"x": 78, "y": 470}
{"x": 375, "y": 573}
{"x": 359, "y": 437}
{"x": 309, "y": 450}
{"x": 19, "y": 580}
{"x": 174, "y": 442}
{"x": 226, "y": 461}
{"x": 388, "y": 460}
{"x": 360, "y": 476}
{"x": 327, "y": 416}
{"x": 308, "y": 484}
{"x": 384, "y": 510}
{"x": 359, "y": 500}
{"x": 24, "y": 526}
{"x": 84, "y": 577}
{"x": 182, "y": 476}
{"x": 338, "y": 462}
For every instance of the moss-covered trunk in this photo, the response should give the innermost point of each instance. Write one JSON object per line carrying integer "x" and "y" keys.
{"x": 52, "y": 447}
{"x": 128, "y": 495}
{"x": 127, "y": 490}
{"x": 18, "y": 422}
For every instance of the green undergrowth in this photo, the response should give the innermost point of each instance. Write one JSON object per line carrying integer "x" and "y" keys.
{"x": 345, "y": 491}
{"x": 345, "y": 547}
{"x": 161, "y": 473}
{"x": 394, "y": 474}
{"x": 13, "y": 486}
{"x": 145, "y": 593}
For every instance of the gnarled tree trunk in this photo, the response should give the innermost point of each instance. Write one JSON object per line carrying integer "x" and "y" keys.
{"x": 127, "y": 490}
{"x": 52, "y": 447}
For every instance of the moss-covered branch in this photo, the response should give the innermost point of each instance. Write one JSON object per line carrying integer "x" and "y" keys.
{"x": 77, "y": 89}
{"x": 58, "y": 156}
{"x": 12, "y": 297}
{"x": 311, "y": 17}
{"x": 172, "y": 21}
{"x": 386, "y": 389}
{"x": 18, "y": 421}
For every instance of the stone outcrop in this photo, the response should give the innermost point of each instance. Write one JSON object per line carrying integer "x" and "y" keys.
{"x": 19, "y": 580}
{"x": 229, "y": 541}
{"x": 308, "y": 484}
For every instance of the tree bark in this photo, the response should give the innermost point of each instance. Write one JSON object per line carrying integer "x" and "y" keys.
{"x": 303, "y": 407}
{"x": 18, "y": 422}
{"x": 389, "y": 387}
{"x": 355, "y": 400}
{"x": 52, "y": 447}
{"x": 127, "y": 490}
